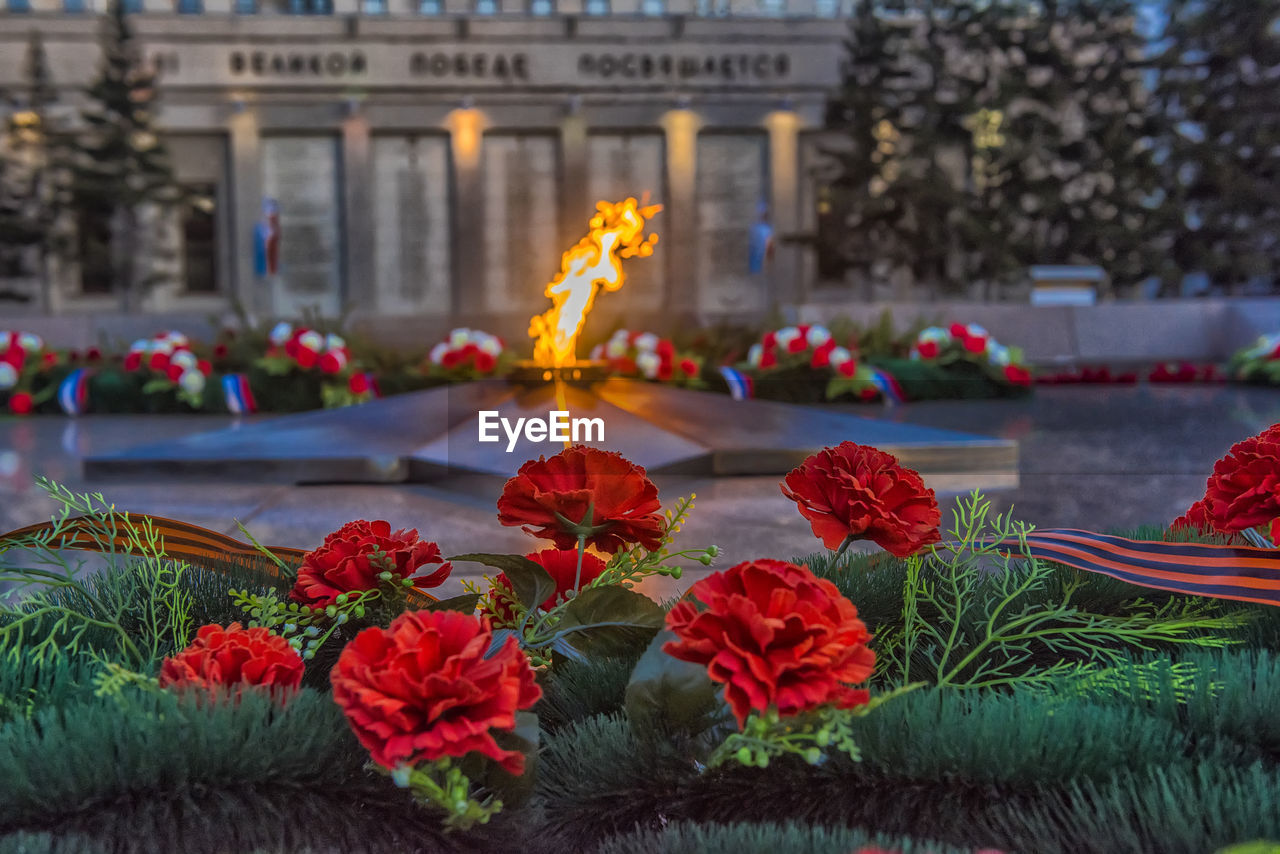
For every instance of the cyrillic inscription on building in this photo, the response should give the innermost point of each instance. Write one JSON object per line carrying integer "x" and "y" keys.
{"x": 727, "y": 67}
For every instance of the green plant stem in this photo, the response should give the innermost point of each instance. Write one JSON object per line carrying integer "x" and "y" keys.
{"x": 844, "y": 547}
{"x": 582, "y": 548}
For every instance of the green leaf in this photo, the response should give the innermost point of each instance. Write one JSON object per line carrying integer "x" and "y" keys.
{"x": 466, "y": 603}
{"x": 529, "y": 581}
{"x": 607, "y": 620}
{"x": 158, "y": 384}
{"x": 665, "y": 691}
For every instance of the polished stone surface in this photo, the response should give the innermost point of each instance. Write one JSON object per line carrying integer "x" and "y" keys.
{"x": 1092, "y": 457}
{"x": 433, "y": 435}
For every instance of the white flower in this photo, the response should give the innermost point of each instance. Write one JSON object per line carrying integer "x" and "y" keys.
{"x": 184, "y": 359}
{"x": 648, "y": 363}
{"x": 312, "y": 340}
{"x": 438, "y": 351}
{"x": 334, "y": 342}
{"x": 163, "y": 346}
{"x": 818, "y": 335}
{"x": 281, "y": 333}
{"x": 30, "y": 342}
{"x": 621, "y": 335}
{"x": 648, "y": 341}
{"x": 491, "y": 345}
{"x": 754, "y": 354}
{"x": 597, "y": 352}
{"x": 616, "y": 349}
{"x": 142, "y": 345}
{"x": 999, "y": 355}
{"x": 459, "y": 337}
{"x": 177, "y": 339}
{"x": 8, "y": 376}
{"x": 191, "y": 381}
{"x": 975, "y": 331}
{"x": 786, "y": 335}
{"x": 934, "y": 333}
{"x": 840, "y": 355}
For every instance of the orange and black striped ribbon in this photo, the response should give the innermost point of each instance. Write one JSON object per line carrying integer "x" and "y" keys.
{"x": 1224, "y": 572}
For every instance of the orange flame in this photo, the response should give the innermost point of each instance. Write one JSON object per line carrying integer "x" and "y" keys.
{"x": 616, "y": 232}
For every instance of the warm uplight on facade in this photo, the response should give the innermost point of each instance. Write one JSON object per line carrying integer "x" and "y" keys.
{"x": 616, "y": 232}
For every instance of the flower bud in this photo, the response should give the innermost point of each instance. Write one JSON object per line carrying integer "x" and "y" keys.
{"x": 744, "y": 755}
{"x": 400, "y": 776}
{"x": 813, "y": 755}
{"x": 331, "y": 611}
{"x": 385, "y": 575}
{"x": 341, "y": 599}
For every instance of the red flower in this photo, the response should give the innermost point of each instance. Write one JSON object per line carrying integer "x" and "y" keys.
{"x": 927, "y": 349}
{"x": 133, "y": 361}
{"x": 358, "y": 384}
{"x": 20, "y": 403}
{"x": 858, "y": 491}
{"x": 769, "y": 341}
{"x": 664, "y": 370}
{"x": 551, "y": 497}
{"x": 975, "y": 343}
{"x": 1195, "y": 519}
{"x": 869, "y": 393}
{"x": 665, "y": 350}
{"x": 234, "y": 656}
{"x": 562, "y": 566}
{"x": 305, "y": 356}
{"x": 158, "y": 362}
{"x": 689, "y": 367}
{"x": 767, "y": 359}
{"x": 93, "y": 354}
{"x": 797, "y": 344}
{"x": 204, "y": 366}
{"x": 485, "y": 362}
{"x": 220, "y": 351}
{"x": 174, "y": 372}
{"x": 848, "y": 368}
{"x": 959, "y": 330}
{"x": 1244, "y": 489}
{"x": 822, "y": 354}
{"x": 49, "y": 360}
{"x": 775, "y": 636}
{"x": 353, "y": 557}
{"x": 425, "y": 688}
{"x": 330, "y": 363}
{"x": 1017, "y": 375}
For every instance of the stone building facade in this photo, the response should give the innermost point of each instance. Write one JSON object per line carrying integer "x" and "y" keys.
{"x": 431, "y": 163}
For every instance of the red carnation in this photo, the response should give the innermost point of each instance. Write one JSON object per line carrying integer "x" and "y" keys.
{"x": 330, "y": 363}
{"x": 689, "y": 367}
{"x": 665, "y": 370}
{"x": 822, "y": 354}
{"x": 975, "y": 343}
{"x": 775, "y": 636}
{"x": 1017, "y": 375}
{"x": 927, "y": 349}
{"x": 1244, "y": 490}
{"x": 305, "y": 356}
{"x": 234, "y": 656}
{"x": 427, "y": 688}
{"x": 485, "y": 362}
{"x": 769, "y": 341}
{"x": 133, "y": 361}
{"x": 93, "y": 354}
{"x": 174, "y": 372}
{"x": 869, "y": 393}
{"x": 665, "y": 349}
{"x": 1195, "y": 519}
{"x": 848, "y": 368}
{"x": 553, "y": 498}
{"x": 855, "y": 491}
{"x": 20, "y": 403}
{"x": 220, "y": 351}
{"x": 562, "y": 566}
{"x": 450, "y": 358}
{"x": 358, "y": 384}
{"x": 204, "y": 366}
{"x": 353, "y": 557}
{"x": 959, "y": 330}
{"x": 158, "y": 362}
{"x": 797, "y": 344}
{"x": 767, "y": 359}
{"x": 49, "y": 360}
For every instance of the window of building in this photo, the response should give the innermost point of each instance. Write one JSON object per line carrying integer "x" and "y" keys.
{"x": 713, "y": 8}
{"x": 199, "y": 240}
{"x": 430, "y": 7}
{"x": 19, "y": 5}
{"x": 826, "y": 8}
{"x": 374, "y": 7}
{"x": 773, "y": 8}
{"x": 311, "y": 7}
{"x": 596, "y": 7}
{"x": 75, "y": 7}
{"x": 542, "y": 7}
{"x": 486, "y": 7}
{"x": 653, "y": 7}
{"x": 133, "y": 7}
{"x": 246, "y": 7}
{"x": 190, "y": 7}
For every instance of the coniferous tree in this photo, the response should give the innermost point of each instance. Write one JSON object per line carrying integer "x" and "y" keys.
{"x": 1219, "y": 83}
{"x": 28, "y": 211}
{"x": 119, "y": 164}
{"x": 987, "y": 137}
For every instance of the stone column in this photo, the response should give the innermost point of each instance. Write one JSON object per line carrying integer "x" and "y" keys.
{"x": 575, "y": 203}
{"x": 784, "y": 186}
{"x": 466, "y": 129}
{"x": 245, "y": 169}
{"x": 357, "y": 212}
{"x": 679, "y": 233}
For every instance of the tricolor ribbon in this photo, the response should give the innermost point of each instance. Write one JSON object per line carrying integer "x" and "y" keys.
{"x": 739, "y": 383}
{"x": 239, "y": 397}
{"x": 73, "y": 392}
{"x": 888, "y": 386}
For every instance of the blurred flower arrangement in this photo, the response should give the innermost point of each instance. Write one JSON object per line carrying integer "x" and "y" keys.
{"x": 645, "y": 355}
{"x": 1259, "y": 362}
{"x": 971, "y": 343}
{"x": 468, "y": 354}
{"x": 168, "y": 366}
{"x": 22, "y": 357}
{"x": 807, "y": 355}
